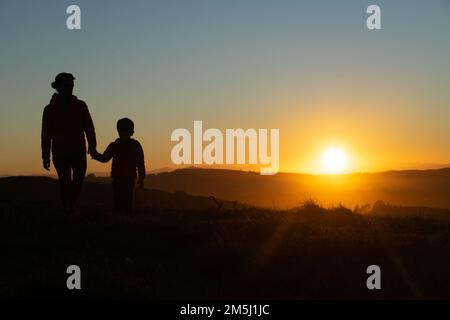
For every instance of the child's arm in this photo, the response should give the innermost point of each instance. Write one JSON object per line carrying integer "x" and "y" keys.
{"x": 106, "y": 156}
{"x": 140, "y": 165}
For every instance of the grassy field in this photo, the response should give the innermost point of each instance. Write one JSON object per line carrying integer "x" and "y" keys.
{"x": 305, "y": 253}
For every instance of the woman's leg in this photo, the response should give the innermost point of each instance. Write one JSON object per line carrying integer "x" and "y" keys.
{"x": 62, "y": 166}
{"x": 79, "y": 171}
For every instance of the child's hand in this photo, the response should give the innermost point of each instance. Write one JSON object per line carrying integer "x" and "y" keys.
{"x": 140, "y": 183}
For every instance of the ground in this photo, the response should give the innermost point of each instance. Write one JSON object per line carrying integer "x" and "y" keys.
{"x": 304, "y": 253}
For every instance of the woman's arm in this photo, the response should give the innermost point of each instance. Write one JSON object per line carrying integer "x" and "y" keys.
{"x": 89, "y": 129}
{"x": 46, "y": 140}
{"x": 140, "y": 165}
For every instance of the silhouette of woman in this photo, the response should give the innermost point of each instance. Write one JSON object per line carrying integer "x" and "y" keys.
{"x": 65, "y": 122}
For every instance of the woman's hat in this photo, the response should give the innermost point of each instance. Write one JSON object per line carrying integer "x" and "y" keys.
{"x": 61, "y": 77}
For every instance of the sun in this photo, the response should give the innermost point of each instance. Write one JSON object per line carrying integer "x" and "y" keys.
{"x": 334, "y": 160}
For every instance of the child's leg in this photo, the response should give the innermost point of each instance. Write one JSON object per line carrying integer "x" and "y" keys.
{"x": 123, "y": 195}
{"x": 128, "y": 196}
{"x": 116, "y": 196}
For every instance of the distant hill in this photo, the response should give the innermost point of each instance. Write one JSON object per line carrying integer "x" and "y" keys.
{"x": 430, "y": 188}
{"x": 414, "y": 188}
{"x": 42, "y": 192}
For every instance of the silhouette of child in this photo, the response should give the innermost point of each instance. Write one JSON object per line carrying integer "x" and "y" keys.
{"x": 127, "y": 156}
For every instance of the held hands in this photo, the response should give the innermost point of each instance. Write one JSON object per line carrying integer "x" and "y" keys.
{"x": 92, "y": 150}
{"x": 94, "y": 154}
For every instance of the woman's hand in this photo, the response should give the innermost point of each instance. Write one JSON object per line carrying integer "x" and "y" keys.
{"x": 46, "y": 164}
{"x": 92, "y": 150}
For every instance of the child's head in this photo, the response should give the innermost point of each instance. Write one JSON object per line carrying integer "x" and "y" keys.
{"x": 125, "y": 128}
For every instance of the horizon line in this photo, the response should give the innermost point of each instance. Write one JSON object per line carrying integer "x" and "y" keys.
{"x": 167, "y": 170}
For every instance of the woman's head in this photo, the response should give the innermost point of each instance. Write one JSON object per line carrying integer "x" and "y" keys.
{"x": 64, "y": 83}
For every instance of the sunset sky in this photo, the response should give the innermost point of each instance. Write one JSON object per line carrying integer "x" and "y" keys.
{"x": 309, "y": 68}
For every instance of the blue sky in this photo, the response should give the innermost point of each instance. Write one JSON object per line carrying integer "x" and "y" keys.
{"x": 310, "y": 68}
